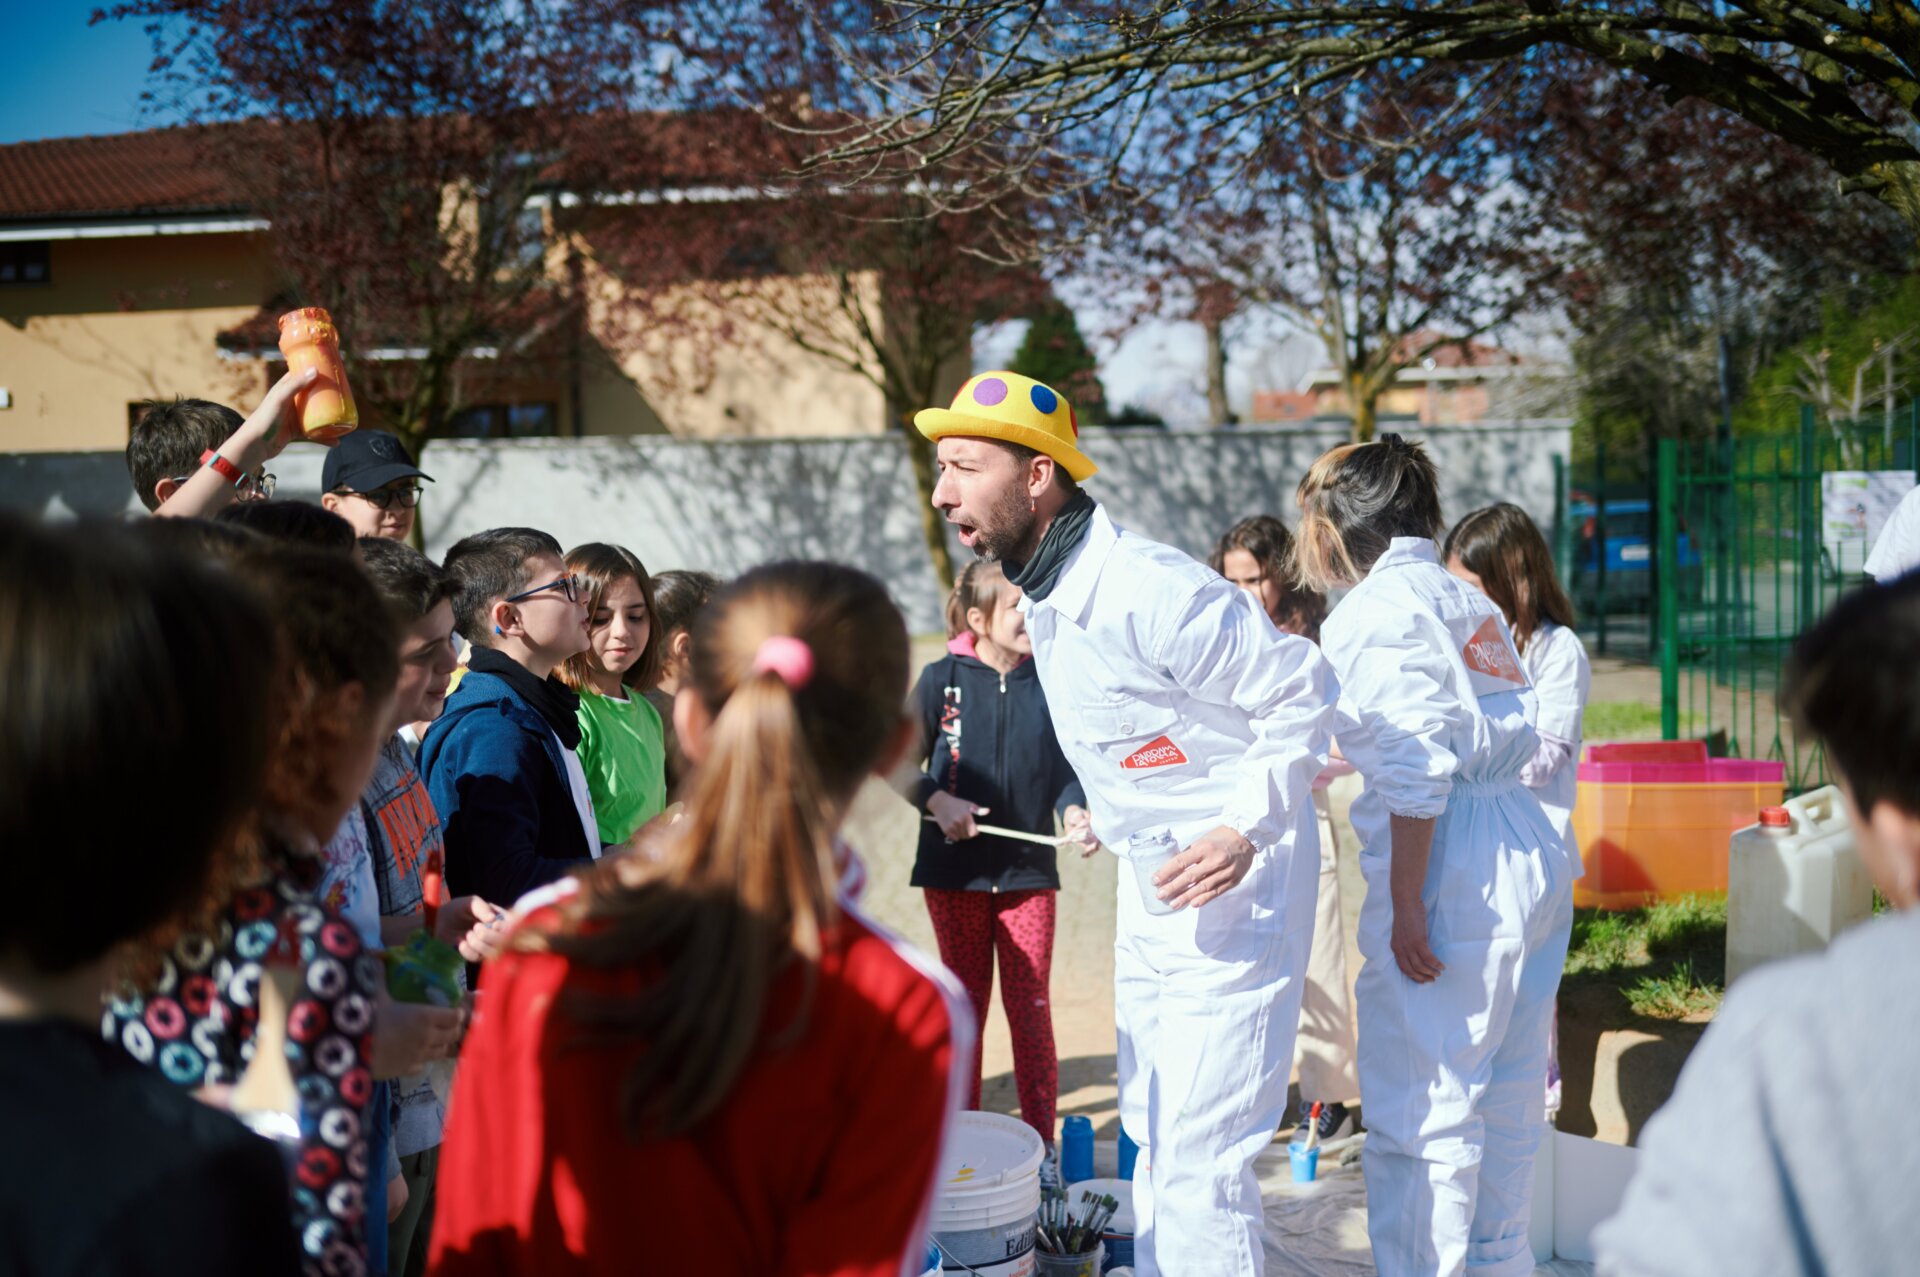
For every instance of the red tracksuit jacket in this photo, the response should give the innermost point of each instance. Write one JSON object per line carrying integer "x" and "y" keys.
{"x": 820, "y": 1164}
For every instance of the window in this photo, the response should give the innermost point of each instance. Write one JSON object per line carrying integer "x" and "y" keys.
{"x": 507, "y": 421}
{"x": 26, "y": 263}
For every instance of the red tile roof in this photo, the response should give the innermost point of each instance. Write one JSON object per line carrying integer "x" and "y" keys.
{"x": 160, "y": 171}
{"x": 178, "y": 170}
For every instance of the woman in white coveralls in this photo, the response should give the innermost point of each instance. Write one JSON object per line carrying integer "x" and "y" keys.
{"x": 1468, "y": 907}
{"x": 1184, "y": 713}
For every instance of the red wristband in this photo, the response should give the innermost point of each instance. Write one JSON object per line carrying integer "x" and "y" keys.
{"x": 221, "y": 466}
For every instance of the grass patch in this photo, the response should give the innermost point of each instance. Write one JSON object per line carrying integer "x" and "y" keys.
{"x": 1673, "y": 996}
{"x": 1610, "y": 721}
{"x": 1668, "y": 960}
{"x": 1620, "y": 720}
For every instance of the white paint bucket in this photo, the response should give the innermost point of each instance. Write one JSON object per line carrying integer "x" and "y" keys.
{"x": 1117, "y": 1237}
{"x": 989, "y": 1197}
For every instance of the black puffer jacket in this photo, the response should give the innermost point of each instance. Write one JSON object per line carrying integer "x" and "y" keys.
{"x": 991, "y": 742}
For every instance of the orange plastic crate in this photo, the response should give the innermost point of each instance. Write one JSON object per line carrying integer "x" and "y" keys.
{"x": 1656, "y": 831}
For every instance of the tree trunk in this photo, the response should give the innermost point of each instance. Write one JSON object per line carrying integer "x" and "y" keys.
{"x": 1902, "y": 191}
{"x": 413, "y": 434}
{"x": 1364, "y": 401}
{"x": 932, "y": 526}
{"x": 1219, "y": 414}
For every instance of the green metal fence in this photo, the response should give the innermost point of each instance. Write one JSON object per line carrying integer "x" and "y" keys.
{"x": 1746, "y": 560}
{"x": 1603, "y": 547}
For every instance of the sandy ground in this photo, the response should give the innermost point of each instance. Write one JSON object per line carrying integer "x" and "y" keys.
{"x": 884, "y": 829}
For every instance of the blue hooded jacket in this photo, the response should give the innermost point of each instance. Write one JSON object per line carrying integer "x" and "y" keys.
{"x": 498, "y": 778}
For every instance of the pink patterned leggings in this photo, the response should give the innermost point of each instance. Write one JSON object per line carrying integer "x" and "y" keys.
{"x": 971, "y": 926}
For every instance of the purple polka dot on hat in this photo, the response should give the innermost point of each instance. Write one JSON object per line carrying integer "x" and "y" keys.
{"x": 1043, "y": 399}
{"x": 989, "y": 392}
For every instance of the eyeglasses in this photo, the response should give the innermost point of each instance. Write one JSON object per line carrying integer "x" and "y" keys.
{"x": 252, "y": 487}
{"x": 385, "y": 498}
{"x": 570, "y": 585}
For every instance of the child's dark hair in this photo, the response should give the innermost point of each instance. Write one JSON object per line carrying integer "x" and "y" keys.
{"x": 742, "y": 889}
{"x": 490, "y": 566}
{"x": 1301, "y": 610}
{"x": 677, "y": 595}
{"x": 200, "y": 538}
{"x": 134, "y": 702}
{"x": 410, "y": 583}
{"x": 979, "y": 586}
{"x": 1355, "y": 501}
{"x": 1501, "y": 546}
{"x": 294, "y": 523}
{"x": 335, "y": 629}
{"x": 603, "y": 565}
{"x": 168, "y": 440}
{"x": 1850, "y": 683}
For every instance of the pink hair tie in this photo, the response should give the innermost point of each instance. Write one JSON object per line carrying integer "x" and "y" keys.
{"x": 788, "y": 657}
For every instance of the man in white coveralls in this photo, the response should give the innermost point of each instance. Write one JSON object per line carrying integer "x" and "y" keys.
{"x": 1185, "y": 713}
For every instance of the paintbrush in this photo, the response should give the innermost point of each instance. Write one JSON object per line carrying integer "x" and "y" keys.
{"x": 1014, "y": 834}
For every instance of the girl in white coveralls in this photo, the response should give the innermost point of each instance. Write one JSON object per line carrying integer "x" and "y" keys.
{"x": 1468, "y": 907}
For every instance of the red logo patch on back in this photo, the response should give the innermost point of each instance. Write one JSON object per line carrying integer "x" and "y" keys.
{"x": 1157, "y": 753}
{"x": 1489, "y": 653}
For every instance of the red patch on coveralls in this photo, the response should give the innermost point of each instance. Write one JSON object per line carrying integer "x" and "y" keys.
{"x": 1158, "y": 753}
{"x": 1489, "y": 653}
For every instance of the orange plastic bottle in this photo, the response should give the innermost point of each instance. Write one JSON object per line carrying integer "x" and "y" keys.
{"x": 308, "y": 339}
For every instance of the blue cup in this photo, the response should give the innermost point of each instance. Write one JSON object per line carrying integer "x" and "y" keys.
{"x": 1129, "y": 1153}
{"x": 1306, "y": 1163}
{"x": 1076, "y": 1150}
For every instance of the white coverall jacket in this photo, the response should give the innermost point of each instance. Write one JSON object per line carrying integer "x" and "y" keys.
{"x": 1556, "y": 664}
{"x": 1181, "y": 707}
{"x": 1434, "y": 711}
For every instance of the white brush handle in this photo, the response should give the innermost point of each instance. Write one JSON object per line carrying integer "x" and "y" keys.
{"x": 1015, "y": 834}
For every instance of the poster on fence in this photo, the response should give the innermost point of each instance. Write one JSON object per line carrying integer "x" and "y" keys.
{"x": 1854, "y": 506}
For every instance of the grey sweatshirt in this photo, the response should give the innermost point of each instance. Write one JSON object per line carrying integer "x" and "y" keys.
{"x": 1792, "y": 1143}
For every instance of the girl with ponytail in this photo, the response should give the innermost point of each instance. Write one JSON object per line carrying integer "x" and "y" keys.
{"x": 699, "y": 1057}
{"x": 1469, "y": 901}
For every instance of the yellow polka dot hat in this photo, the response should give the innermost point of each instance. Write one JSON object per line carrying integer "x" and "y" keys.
{"x": 1013, "y": 409}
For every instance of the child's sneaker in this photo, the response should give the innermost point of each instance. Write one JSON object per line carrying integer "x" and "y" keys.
{"x": 1335, "y": 1123}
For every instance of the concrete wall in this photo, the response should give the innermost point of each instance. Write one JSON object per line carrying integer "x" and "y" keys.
{"x": 724, "y": 505}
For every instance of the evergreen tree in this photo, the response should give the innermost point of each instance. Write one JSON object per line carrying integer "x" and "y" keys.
{"x": 1054, "y": 352}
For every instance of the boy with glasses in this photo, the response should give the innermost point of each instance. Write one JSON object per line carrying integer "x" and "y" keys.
{"x": 192, "y": 458}
{"x": 369, "y": 480}
{"x": 499, "y": 763}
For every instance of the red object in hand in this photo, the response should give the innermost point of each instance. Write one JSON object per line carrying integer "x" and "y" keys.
{"x": 434, "y": 889}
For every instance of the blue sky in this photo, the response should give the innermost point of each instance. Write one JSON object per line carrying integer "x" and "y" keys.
{"x": 67, "y": 78}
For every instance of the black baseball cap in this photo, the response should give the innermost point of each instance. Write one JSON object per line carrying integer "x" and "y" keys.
{"x": 365, "y": 460}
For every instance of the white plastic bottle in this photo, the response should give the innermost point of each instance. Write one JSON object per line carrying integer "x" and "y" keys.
{"x": 1147, "y": 852}
{"x": 1794, "y": 882}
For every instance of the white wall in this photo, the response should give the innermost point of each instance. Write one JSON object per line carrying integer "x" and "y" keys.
{"x": 724, "y": 505}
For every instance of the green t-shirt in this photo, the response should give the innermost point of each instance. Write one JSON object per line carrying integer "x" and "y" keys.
{"x": 623, "y": 749}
